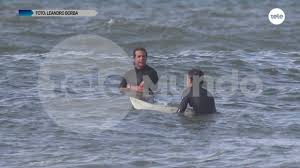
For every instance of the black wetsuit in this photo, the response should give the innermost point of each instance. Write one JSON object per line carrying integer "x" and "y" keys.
{"x": 202, "y": 103}
{"x": 136, "y": 76}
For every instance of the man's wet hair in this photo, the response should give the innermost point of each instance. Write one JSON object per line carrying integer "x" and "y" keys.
{"x": 140, "y": 49}
{"x": 195, "y": 73}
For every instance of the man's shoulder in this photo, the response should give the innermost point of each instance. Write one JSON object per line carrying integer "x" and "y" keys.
{"x": 187, "y": 92}
{"x": 205, "y": 92}
{"x": 130, "y": 72}
{"x": 149, "y": 68}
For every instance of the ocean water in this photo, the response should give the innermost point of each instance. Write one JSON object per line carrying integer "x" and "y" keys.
{"x": 231, "y": 41}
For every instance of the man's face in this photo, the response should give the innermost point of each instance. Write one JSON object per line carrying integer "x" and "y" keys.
{"x": 140, "y": 59}
{"x": 189, "y": 82}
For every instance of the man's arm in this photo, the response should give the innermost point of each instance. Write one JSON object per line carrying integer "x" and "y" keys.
{"x": 183, "y": 105}
{"x": 151, "y": 85}
{"x": 123, "y": 83}
{"x": 214, "y": 105}
{"x": 154, "y": 77}
{"x": 124, "y": 86}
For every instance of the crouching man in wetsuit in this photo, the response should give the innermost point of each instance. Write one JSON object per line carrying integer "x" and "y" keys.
{"x": 142, "y": 78}
{"x": 197, "y": 97}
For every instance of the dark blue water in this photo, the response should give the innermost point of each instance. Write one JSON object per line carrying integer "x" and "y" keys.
{"x": 220, "y": 37}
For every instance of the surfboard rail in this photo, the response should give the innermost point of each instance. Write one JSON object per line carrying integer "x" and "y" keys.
{"x": 142, "y": 105}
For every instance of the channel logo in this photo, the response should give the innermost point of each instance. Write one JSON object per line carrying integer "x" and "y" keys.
{"x": 276, "y": 16}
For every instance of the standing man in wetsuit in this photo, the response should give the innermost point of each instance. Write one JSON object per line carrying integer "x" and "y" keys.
{"x": 142, "y": 78}
{"x": 197, "y": 97}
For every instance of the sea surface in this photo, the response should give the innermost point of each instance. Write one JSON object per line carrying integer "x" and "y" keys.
{"x": 78, "y": 122}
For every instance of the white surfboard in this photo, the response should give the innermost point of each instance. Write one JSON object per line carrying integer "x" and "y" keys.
{"x": 142, "y": 105}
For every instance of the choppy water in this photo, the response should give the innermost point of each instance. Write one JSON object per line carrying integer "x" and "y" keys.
{"x": 217, "y": 36}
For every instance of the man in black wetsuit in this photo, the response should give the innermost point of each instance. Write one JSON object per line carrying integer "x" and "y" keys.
{"x": 197, "y": 97}
{"x": 142, "y": 78}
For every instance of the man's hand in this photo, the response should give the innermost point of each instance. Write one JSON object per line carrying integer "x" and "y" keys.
{"x": 139, "y": 88}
